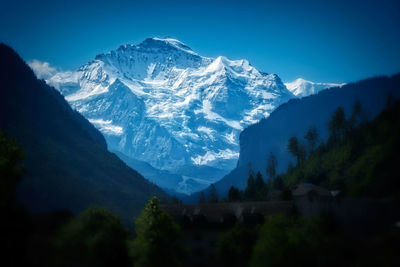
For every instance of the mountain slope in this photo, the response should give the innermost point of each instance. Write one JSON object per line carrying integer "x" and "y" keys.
{"x": 67, "y": 162}
{"x": 294, "y": 119}
{"x": 302, "y": 88}
{"x": 161, "y": 103}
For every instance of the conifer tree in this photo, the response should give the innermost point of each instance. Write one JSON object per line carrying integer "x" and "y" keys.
{"x": 338, "y": 126}
{"x": 271, "y": 165}
{"x": 213, "y": 197}
{"x": 312, "y": 137}
{"x": 293, "y": 146}
{"x": 250, "y": 191}
{"x": 260, "y": 187}
{"x": 202, "y": 198}
{"x": 234, "y": 194}
{"x": 158, "y": 238}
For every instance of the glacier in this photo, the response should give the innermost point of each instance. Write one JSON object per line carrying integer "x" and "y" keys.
{"x": 159, "y": 102}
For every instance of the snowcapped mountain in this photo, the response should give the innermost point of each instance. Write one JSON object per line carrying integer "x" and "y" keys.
{"x": 159, "y": 102}
{"x": 302, "y": 88}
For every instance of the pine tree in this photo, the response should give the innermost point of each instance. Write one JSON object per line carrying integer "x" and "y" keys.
{"x": 234, "y": 194}
{"x": 290, "y": 167}
{"x": 158, "y": 238}
{"x": 357, "y": 116}
{"x": 271, "y": 165}
{"x": 338, "y": 126}
{"x": 213, "y": 197}
{"x": 202, "y": 198}
{"x": 250, "y": 191}
{"x": 298, "y": 150}
{"x": 293, "y": 146}
{"x": 260, "y": 187}
{"x": 312, "y": 137}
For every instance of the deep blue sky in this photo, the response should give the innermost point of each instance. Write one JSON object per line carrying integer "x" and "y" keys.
{"x": 327, "y": 41}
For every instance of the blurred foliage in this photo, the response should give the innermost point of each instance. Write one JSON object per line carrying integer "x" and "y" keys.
{"x": 234, "y": 247}
{"x": 14, "y": 224}
{"x": 158, "y": 238}
{"x": 319, "y": 241}
{"x": 286, "y": 242}
{"x": 94, "y": 238}
{"x": 11, "y": 169}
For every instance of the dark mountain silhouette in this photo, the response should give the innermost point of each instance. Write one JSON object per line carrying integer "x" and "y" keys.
{"x": 66, "y": 158}
{"x": 295, "y": 117}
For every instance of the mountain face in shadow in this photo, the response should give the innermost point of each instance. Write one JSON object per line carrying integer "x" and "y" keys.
{"x": 66, "y": 158}
{"x": 295, "y": 117}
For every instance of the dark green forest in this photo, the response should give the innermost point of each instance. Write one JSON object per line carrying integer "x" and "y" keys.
{"x": 360, "y": 159}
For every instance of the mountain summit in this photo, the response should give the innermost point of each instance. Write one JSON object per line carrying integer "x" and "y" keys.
{"x": 302, "y": 88}
{"x": 160, "y": 102}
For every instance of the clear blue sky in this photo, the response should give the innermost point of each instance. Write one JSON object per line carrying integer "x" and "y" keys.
{"x": 327, "y": 41}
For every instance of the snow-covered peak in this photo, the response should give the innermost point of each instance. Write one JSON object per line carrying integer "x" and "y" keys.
{"x": 160, "y": 102}
{"x": 302, "y": 88}
{"x": 173, "y": 42}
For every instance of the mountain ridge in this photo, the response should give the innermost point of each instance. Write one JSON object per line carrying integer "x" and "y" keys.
{"x": 301, "y": 87}
{"x": 66, "y": 158}
{"x": 186, "y": 109}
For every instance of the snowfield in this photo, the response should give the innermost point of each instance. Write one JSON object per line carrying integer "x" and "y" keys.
{"x": 160, "y": 102}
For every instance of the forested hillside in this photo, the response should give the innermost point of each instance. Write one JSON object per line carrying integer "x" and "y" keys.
{"x": 294, "y": 118}
{"x": 66, "y": 160}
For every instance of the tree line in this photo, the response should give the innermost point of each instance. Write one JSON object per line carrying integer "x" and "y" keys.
{"x": 358, "y": 158}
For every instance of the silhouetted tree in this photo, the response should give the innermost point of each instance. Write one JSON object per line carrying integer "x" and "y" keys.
{"x": 158, "y": 238}
{"x": 302, "y": 154}
{"x": 312, "y": 137}
{"x": 271, "y": 165}
{"x": 277, "y": 183}
{"x": 293, "y": 146}
{"x": 234, "y": 194}
{"x": 290, "y": 167}
{"x": 338, "y": 126}
{"x": 250, "y": 191}
{"x": 213, "y": 196}
{"x": 357, "y": 115}
{"x": 298, "y": 150}
{"x": 260, "y": 187}
{"x": 202, "y": 198}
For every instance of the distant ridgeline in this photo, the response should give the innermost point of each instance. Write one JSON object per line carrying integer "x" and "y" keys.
{"x": 294, "y": 119}
{"x": 66, "y": 159}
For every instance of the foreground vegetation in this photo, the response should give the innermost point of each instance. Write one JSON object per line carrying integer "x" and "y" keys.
{"x": 359, "y": 158}
{"x": 296, "y": 241}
